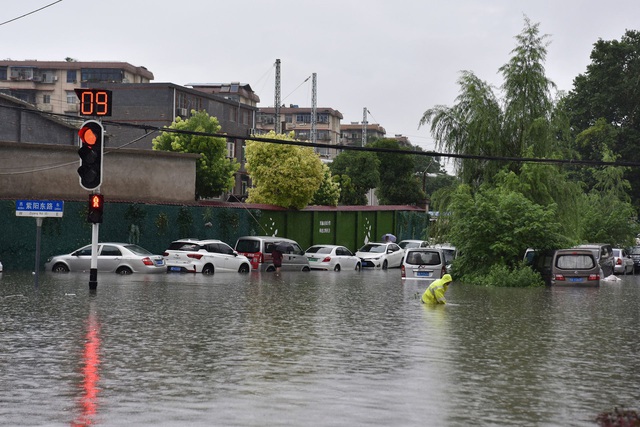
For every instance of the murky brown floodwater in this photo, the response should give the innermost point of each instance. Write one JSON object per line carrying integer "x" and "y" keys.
{"x": 319, "y": 348}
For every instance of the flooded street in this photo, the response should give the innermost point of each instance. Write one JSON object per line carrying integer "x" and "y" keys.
{"x": 318, "y": 348}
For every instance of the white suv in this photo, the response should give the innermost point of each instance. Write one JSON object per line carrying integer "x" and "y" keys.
{"x": 204, "y": 256}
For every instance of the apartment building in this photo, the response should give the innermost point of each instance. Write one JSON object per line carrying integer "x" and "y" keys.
{"x": 351, "y": 134}
{"x": 298, "y": 120}
{"x": 235, "y": 91}
{"x": 49, "y": 85}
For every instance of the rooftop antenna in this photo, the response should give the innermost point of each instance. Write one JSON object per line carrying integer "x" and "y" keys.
{"x": 314, "y": 106}
{"x": 364, "y": 126}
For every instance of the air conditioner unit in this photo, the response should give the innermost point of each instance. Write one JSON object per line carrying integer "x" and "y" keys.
{"x": 252, "y": 131}
{"x": 182, "y": 112}
{"x": 55, "y": 78}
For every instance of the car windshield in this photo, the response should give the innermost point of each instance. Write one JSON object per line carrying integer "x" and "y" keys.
{"x": 138, "y": 250}
{"x": 575, "y": 261}
{"x": 423, "y": 258}
{"x": 319, "y": 250}
{"x": 376, "y": 249}
{"x": 184, "y": 246}
{"x": 248, "y": 246}
{"x": 408, "y": 245}
{"x": 635, "y": 251}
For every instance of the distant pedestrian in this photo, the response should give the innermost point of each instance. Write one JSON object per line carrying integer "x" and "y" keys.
{"x": 435, "y": 292}
{"x": 277, "y": 259}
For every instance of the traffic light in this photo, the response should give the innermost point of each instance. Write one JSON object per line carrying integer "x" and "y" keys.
{"x": 96, "y": 208}
{"x": 91, "y": 138}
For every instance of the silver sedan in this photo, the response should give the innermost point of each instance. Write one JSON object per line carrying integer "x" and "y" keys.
{"x": 121, "y": 258}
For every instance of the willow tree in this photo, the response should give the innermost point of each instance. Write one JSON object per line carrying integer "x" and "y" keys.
{"x": 481, "y": 125}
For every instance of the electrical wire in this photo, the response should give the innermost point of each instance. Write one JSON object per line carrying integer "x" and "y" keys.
{"x": 30, "y": 13}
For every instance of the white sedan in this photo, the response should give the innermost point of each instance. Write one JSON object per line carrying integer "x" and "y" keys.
{"x": 121, "y": 258}
{"x": 381, "y": 255}
{"x": 332, "y": 257}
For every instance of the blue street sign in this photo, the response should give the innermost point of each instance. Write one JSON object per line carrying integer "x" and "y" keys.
{"x": 39, "y": 208}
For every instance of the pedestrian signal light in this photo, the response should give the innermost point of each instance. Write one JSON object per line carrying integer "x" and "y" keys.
{"x": 91, "y": 135}
{"x": 96, "y": 208}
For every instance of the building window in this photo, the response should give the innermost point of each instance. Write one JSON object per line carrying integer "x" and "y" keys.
{"x": 233, "y": 114}
{"x": 71, "y": 97}
{"x": 46, "y": 99}
{"x": 303, "y": 118}
{"x": 245, "y": 118}
{"x": 102, "y": 75}
{"x": 231, "y": 149}
{"x": 3, "y": 73}
{"x": 72, "y": 76}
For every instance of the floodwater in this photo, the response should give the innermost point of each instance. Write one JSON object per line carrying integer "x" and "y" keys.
{"x": 311, "y": 349}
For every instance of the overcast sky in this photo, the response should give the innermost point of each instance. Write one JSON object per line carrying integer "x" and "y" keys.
{"x": 397, "y": 58}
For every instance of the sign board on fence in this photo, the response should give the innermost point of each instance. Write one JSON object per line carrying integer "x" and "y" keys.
{"x": 39, "y": 208}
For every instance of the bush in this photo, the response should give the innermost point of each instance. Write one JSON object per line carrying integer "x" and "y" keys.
{"x": 522, "y": 276}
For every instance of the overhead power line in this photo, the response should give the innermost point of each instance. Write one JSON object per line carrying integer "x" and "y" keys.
{"x": 149, "y": 128}
{"x": 30, "y": 13}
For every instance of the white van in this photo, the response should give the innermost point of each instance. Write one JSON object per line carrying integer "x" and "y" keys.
{"x": 258, "y": 249}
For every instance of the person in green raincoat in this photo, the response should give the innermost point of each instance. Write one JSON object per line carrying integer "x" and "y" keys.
{"x": 436, "y": 290}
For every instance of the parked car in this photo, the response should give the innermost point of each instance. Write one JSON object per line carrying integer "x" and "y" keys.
{"x": 332, "y": 257}
{"x": 204, "y": 256}
{"x": 406, "y": 244}
{"x": 540, "y": 261}
{"x": 426, "y": 264}
{"x": 450, "y": 253}
{"x": 380, "y": 255}
{"x": 635, "y": 256}
{"x": 575, "y": 267}
{"x": 622, "y": 262}
{"x": 258, "y": 249}
{"x": 604, "y": 254}
{"x": 0, "y": 267}
{"x": 121, "y": 258}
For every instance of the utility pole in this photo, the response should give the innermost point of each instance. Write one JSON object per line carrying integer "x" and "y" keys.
{"x": 364, "y": 126}
{"x": 277, "y": 100}
{"x": 314, "y": 107}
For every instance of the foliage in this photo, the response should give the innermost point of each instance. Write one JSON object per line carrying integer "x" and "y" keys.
{"x": 282, "y": 174}
{"x": 521, "y": 276}
{"x": 329, "y": 192}
{"x": 214, "y": 172}
{"x": 496, "y": 225}
{"x": 479, "y": 125}
{"x": 608, "y": 94}
{"x": 398, "y": 183}
{"x": 357, "y": 173}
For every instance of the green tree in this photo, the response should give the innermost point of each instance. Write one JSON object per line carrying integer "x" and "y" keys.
{"x": 282, "y": 174}
{"x": 398, "y": 182}
{"x": 214, "y": 172}
{"x": 479, "y": 125}
{"x": 357, "y": 173}
{"x": 329, "y": 192}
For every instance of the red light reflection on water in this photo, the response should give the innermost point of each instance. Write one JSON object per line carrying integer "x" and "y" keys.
{"x": 88, "y": 403}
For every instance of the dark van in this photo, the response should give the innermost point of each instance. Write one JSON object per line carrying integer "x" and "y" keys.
{"x": 604, "y": 254}
{"x": 575, "y": 267}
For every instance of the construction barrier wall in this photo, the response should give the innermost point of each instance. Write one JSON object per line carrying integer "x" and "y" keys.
{"x": 155, "y": 226}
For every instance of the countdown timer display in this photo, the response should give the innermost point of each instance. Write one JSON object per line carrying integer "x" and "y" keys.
{"x": 94, "y": 102}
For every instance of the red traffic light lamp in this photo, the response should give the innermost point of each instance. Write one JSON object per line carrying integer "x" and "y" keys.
{"x": 91, "y": 135}
{"x": 96, "y": 208}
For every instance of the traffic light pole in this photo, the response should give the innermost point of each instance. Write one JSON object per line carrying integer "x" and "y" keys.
{"x": 93, "y": 271}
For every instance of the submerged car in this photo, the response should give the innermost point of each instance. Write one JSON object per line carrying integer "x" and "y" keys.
{"x": 622, "y": 262}
{"x": 635, "y": 256}
{"x": 427, "y": 264}
{"x": 332, "y": 257}
{"x": 575, "y": 267}
{"x": 380, "y": 255}
{"x": 121, "y": 258}
{"x": 259, "y": 250}
{"x": 407, "y": 244}
{"x": 204, "y": 256}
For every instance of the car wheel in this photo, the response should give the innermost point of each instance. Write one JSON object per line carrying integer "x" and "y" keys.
{"x": 271, "y": 268}
{"x": 60, "y": 268}
{"x": 385, "y": 265}
{"x": 244, "y": 268}
{"x": 358, "y": 266}
{"x": 124, "y": 271}
{"x": 306, "y": 268}
{"x": 208, "y": 269}
{"x": 337, "y": 267}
